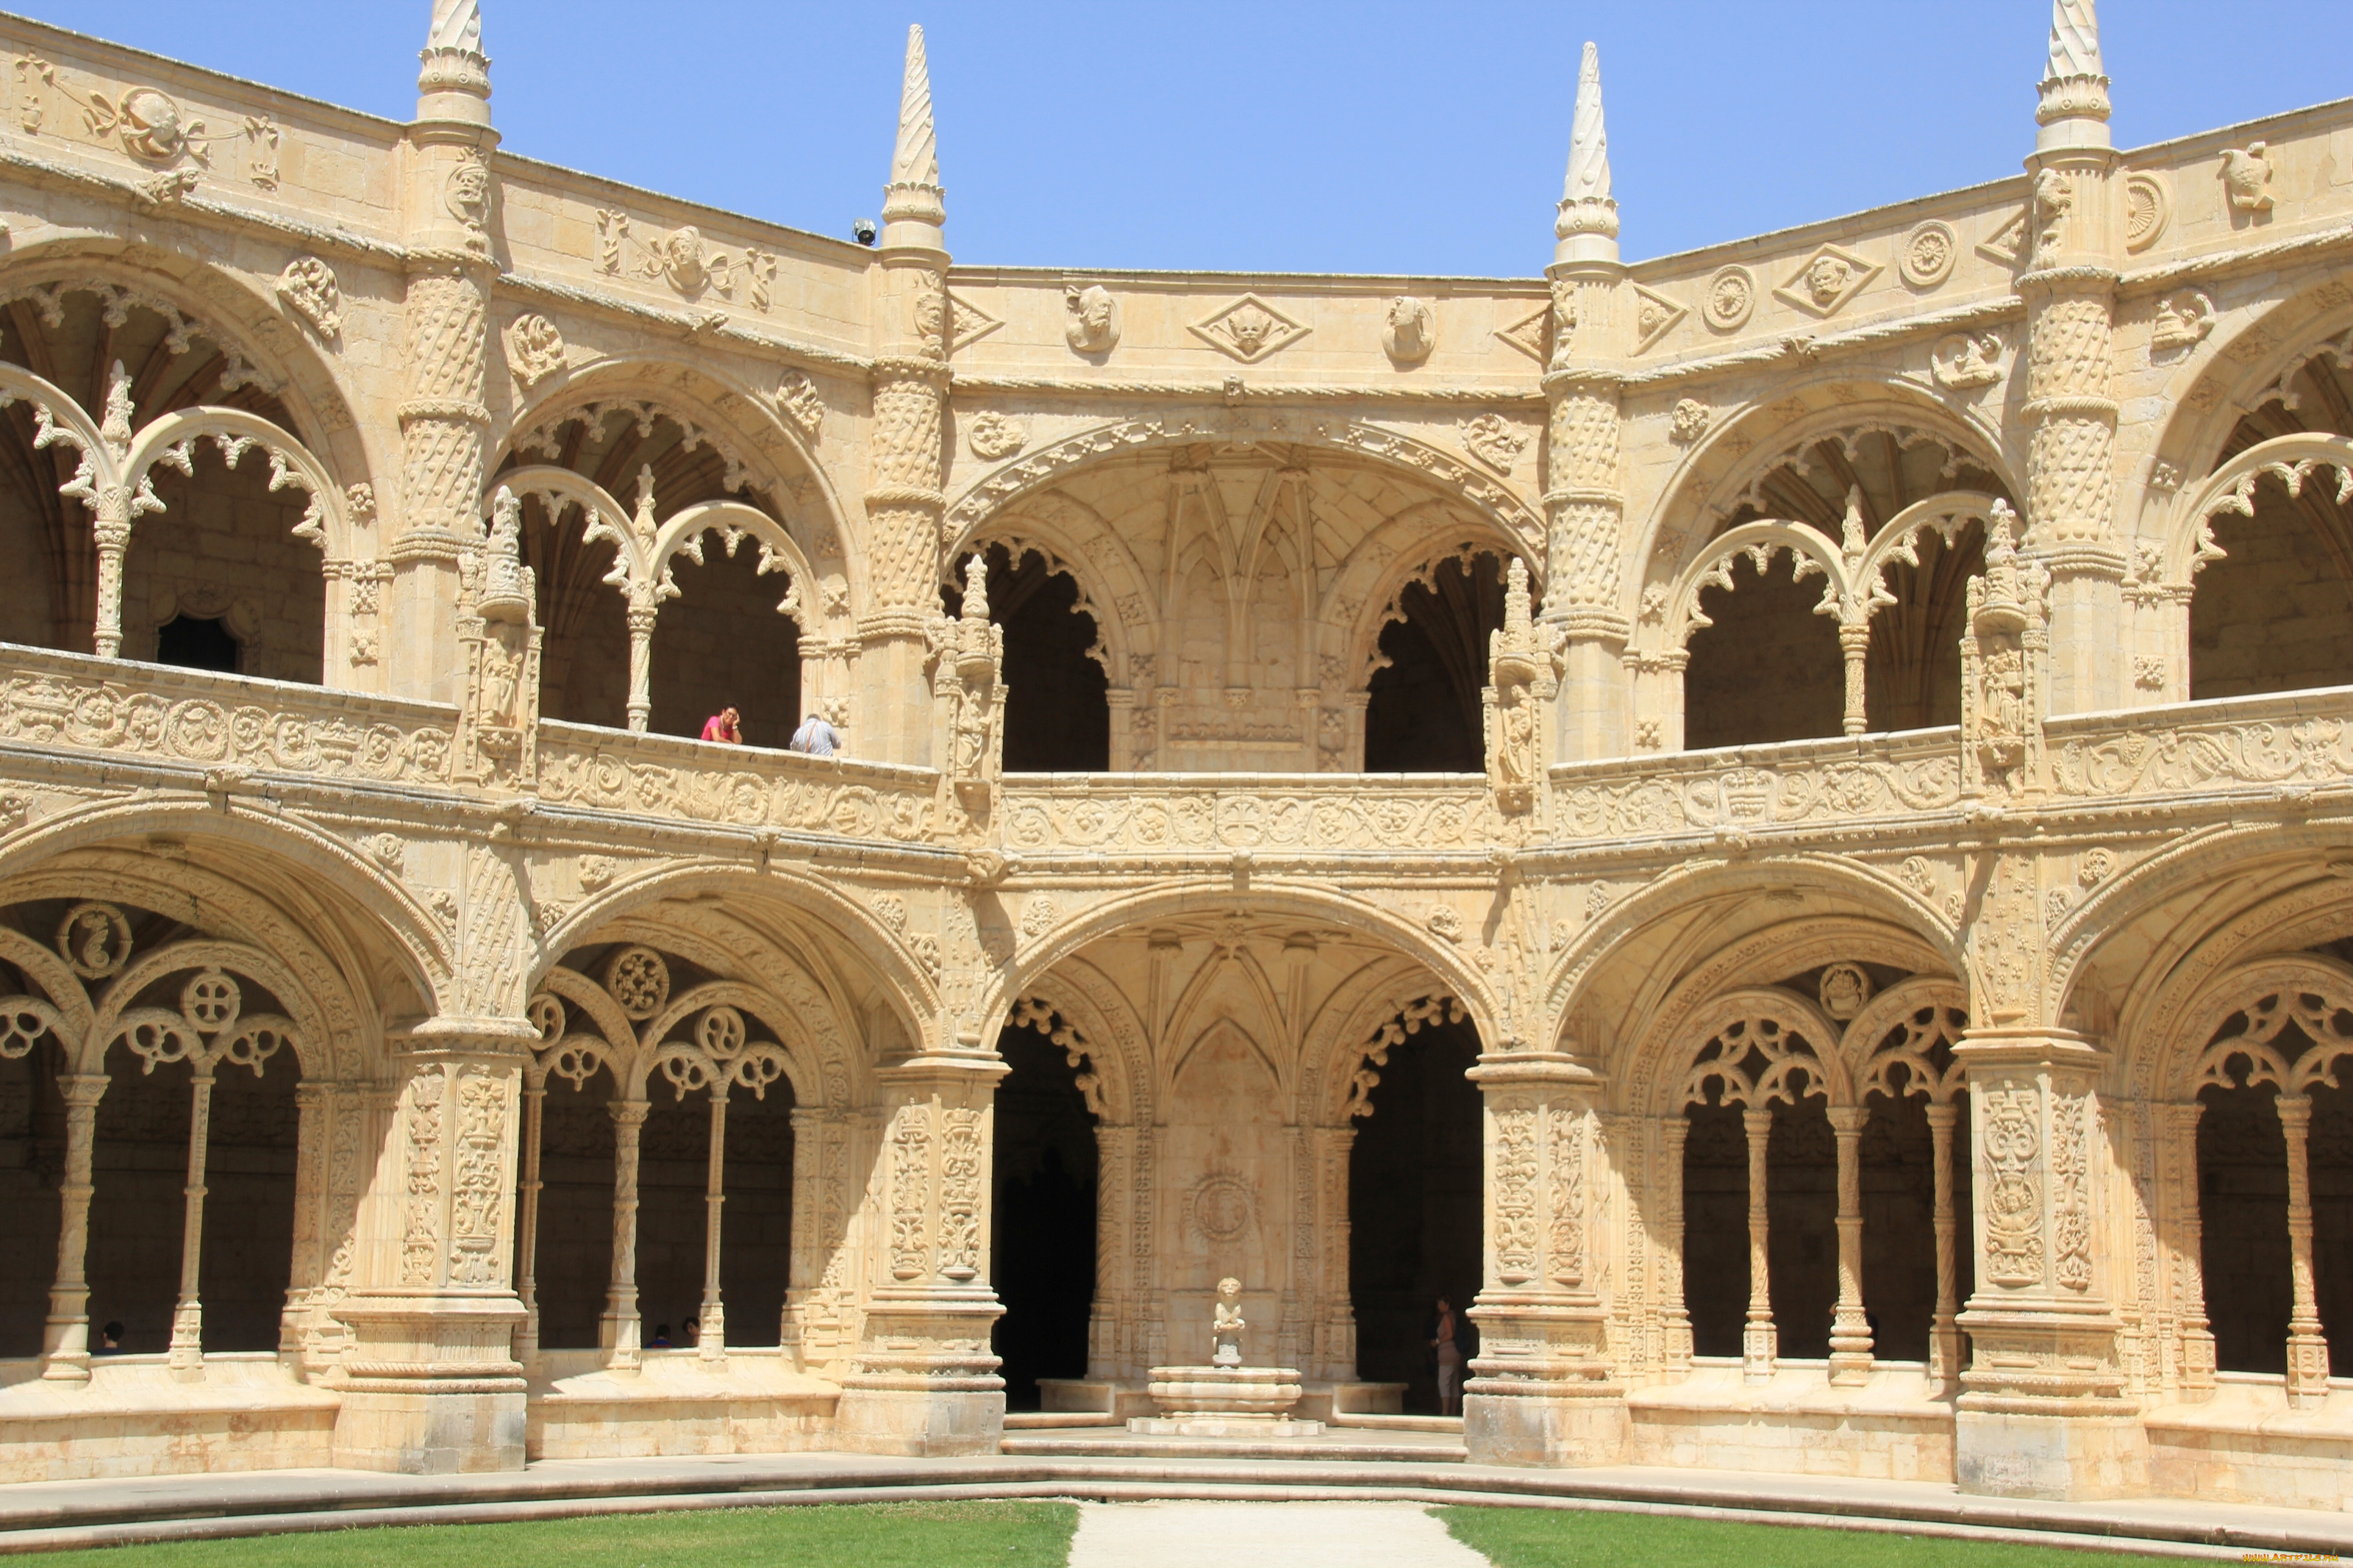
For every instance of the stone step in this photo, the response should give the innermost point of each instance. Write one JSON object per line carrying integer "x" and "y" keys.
{"x": 1372, "y": 1422}
{"x": 1025, "y": 1420}
{"x": 1080, "y": 1445}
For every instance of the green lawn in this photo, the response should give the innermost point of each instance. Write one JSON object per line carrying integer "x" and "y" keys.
{"x": 1575, "y": 1538}
{"x": 878, "y": 1535}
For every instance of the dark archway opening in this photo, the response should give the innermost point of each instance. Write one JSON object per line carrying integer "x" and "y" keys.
{"x": 138, "y": 1208}
{"x": 197, "y": 642}
{"x": 2331, "y": 1156}
{"x": 1912, "y": 671}
{"x": 1057, "y": 704}
{"x": 755, "y": 1247}
{"x": 1417, "y": 1208}
{"x": 723, "y": 642}
{"x": 1768, "y": 669}
{"x": 1423, "y": 713}
{"x": 2242, "y": 1216}
{"x": 2276, "y": 613}
{"x": 32, "y": 1163}
{"x": 1043, "y": 1249}
{"x": 1716, "y": 1228}
{"x": 673, "y": 1183}
{"x": 1801, "y": 1243}
{"x": 573, "y": 1265}
{"x": 1899, "y": 1223}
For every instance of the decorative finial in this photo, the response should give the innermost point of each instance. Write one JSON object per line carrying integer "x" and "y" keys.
{"x": 1586, "y": 207}
{"x": 913, "y": 205}
{"x": 976, "y": 588}
{"x": 1519, "y": 614}
{"x": 454, "y": 63}
{"x": 2074, "y": 87}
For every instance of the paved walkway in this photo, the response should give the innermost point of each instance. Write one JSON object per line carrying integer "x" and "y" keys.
{"x": 39, "y": 1515}
{"x": 1273, "y": 1535}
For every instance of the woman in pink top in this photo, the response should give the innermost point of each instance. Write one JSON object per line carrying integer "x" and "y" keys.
{"x": 725, "y": 726}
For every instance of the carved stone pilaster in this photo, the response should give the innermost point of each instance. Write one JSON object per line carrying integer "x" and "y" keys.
{"x": 444, "y": 414}
{"x": 925, "y": 1380}
{"x": 1543, "y": 1390}
{"x": 1523, "y": 677}
{"x": 966, "y": 654}
{"x": 2043, "y": 1411}
{"x": 429, "y": 1386}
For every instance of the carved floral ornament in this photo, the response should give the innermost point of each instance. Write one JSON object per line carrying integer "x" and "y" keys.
{"x": 2148, "y": 206}
{"x": 1731, "y": 296}
{"x": 309, "y": 287}
{"x": 1495, "y": 440}
{"x": 993, "y": 436}
{"x": 534, "y": 348}
{"x": 797, "y": 399}
{"x": 1928, "y": 254}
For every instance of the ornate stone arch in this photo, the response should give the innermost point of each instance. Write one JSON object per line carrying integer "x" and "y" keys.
{"x": 1748, "y": 442}
{"x": 113, "y": 846}
{"x": 1874, "y": 900}
{"x": 1075, "y": 540}
{"x": 240, "y": 316}
{"x": 1387, "y": 999}
{"x": 880, "y": 949}
{"x": 745, "y": 428}
{"x": 1757, "y": 1043}
{"x": 1927, "y": 1008}
{"x": 1305, "y": 901}
{"x": 1113, "y": 1069}
{"x": 999, "y": 488}
{"x": 117, "y": 1006}
{"x": 1402, "y": 551}
{"x": 2308, "y": 990}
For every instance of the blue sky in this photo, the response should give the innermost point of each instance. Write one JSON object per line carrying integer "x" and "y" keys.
{"x": 1270, "y": 137}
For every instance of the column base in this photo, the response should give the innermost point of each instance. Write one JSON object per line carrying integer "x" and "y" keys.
{"x": 2051, "y": 1457}
{"x": 429, "y": 1387}
{"x": 1546, "y": 1423}
{"x": 918, "y": 1417}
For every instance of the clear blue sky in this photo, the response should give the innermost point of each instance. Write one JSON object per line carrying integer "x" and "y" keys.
{"x": 1270, "y": 137}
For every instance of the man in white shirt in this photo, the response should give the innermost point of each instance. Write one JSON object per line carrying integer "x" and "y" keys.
{"x": 816, "y": 736}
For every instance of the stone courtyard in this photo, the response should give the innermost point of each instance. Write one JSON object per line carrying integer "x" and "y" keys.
{"x": 1776, "y": 822}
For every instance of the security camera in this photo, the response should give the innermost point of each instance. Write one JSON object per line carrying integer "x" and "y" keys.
{"x": 863, "y": 231}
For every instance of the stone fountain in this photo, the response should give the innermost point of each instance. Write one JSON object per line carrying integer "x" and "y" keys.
{"x": 1225, "y": 1399}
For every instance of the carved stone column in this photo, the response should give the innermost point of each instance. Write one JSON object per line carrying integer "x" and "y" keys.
{"x": 2073, "y": 245}
{"x": 527, "y": 1194}
{"x": 1944, "y": 1331}
{"x": 1585, "y": 503}
{"x": 187, "y": 1350}
{"x": 925, "y": 1380}
{"x": 1850, "y": 1346}
{"x": 711, "y": 1322}
{"x": 1674, "y": 1314}
{"x": 1107, "y": 1316}
{"x": 65, "y": 1341}
{"x": 2307, "y": 1349}
{"x": 445, "y": 417}
{"x": 2180, "y": 1156}
{"x": 429, "y": 1384}
{"x": 2042, "y": 1411}
{"x": 1760, "y": 1341}
{"x": 618, "y": 1331}
{"x": 821, "y": 1310}
{"x": 1542, "y": 1389}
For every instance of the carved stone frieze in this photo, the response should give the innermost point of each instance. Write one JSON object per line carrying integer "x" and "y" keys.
{"x": 1170, "y": 817}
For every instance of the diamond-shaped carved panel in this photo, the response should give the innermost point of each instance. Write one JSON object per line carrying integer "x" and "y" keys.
{"x": 1826, "y": 280}
{"x": 1527, "y": 335}
{"x": 1250, "y": 328}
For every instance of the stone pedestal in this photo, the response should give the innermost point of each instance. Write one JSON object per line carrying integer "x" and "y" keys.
{"x": 925, "y": 1380}
{"x": 1541, "y": 1390}
{"x": 2042, "y": 1412}
{"x": 429, "y": 1386}
{"x": 1224, "y": 1402}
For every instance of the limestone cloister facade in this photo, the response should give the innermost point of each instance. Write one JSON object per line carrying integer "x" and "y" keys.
{"x": 1843, "y": 736}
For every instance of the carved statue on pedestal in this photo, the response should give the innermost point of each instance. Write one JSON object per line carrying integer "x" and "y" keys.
{"x": 2001, "y": 669}
{"x": 1226, "y": 1324}
{"x": 498, "y": 636}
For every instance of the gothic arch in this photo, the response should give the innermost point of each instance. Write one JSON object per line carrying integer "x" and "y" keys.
{"x": 803, "y": 898}
{"x": 1075, "y": 541}
{"x": 1109, "y": 1034}
{"x": 773, "y": 455}
{"x": 329, "y": 942}
{"x": 1304, "y": 902}
{"x": 239, "y": 315}
{"x": 998, "y": 490}
{"x": 1339, "y": 1039}
{"x": 2175, "y": 1074}
{"x": 1746, "y": 443}
{"x": 1864, "y": 894}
